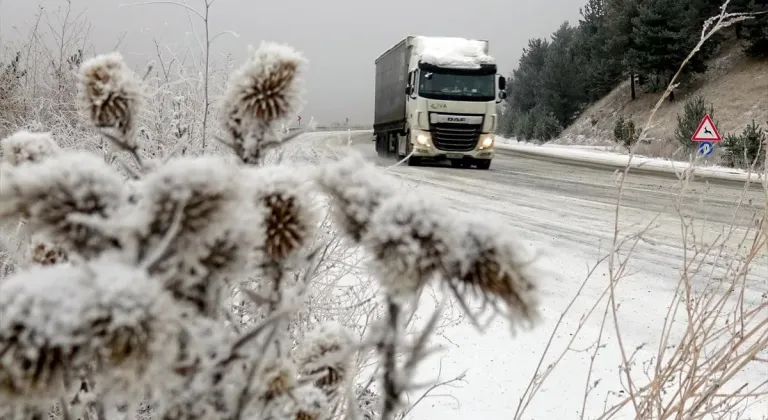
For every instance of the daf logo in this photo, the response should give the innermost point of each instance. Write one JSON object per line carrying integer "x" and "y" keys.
{"x": 456, "y": 119}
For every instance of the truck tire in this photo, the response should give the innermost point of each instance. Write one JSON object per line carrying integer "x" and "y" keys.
{"x": 483, "y": 164}
{"x": 399, "y": 155}
{"x": 381, "y": 145}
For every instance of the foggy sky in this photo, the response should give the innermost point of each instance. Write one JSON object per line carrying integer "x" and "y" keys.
{"x": 341, "y": 38}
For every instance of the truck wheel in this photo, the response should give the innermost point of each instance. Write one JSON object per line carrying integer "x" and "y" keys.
{"x": 397, "y": 147}
{"x": 381, "y": 146}
{"x": 483, "y": 164}
{"x": 392, "y": 145}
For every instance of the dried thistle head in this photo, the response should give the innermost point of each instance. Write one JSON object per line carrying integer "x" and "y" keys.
{"x": 67, "y": 198}
{"x": 411, "y": 240}
{"x": 43, "y": 252}
{"x": 110, "y": 96}
{"x": 265, "y": 91}
{"x": 289, "y": 214}
{"x": 493, "y": 266}
{"x": 304, "y": 402}
{"x": 278, "y": 379}
{"x": 59, "y": 320}
{"x": 200, "y": 205}
{"x": 25, "y": 146}
{"x": 324, "y": 357}
{"x": 356, "y": 189}
{"x": 198, "y": 193}
{"x": 311, "y": 404}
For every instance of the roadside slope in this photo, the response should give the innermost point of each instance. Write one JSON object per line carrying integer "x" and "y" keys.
{"x": 736, "y": 85}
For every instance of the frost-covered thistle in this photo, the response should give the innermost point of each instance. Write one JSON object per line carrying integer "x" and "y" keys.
{"x": 110, "y": 97}
{"x": 289, "y": 214}
{"x": 43, "y": 252}
{"x": 261, "y": 94}
{"x": 195, "y": 227}
{"x": 356, "y": 188}
{"x": 411, "y": 240}
{"x": 493, "y": 266}
{"x": 325, "y": 358}
{"x": 64, "y": 197}
{"x": 59, "y": 321}
{"x": 304, "y": 402}
{"x": 25, "y": 146}
{"x": 277, "y": 379}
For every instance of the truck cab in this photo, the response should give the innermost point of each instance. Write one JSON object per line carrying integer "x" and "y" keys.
{"x": 450, "y": 95}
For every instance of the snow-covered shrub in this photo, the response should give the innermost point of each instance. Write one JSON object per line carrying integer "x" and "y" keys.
{"x": 124, "y": 303}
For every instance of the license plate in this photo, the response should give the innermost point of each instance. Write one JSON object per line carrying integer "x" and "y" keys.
{"x": 454, "y": 155}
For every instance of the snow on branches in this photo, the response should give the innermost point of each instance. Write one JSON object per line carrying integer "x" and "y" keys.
{"x": 124, "y": 299}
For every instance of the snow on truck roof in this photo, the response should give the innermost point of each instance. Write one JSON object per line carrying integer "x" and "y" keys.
{"x": 451, "y": 51}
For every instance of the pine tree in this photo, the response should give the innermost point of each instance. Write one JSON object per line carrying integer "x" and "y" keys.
{"x": 663, "y": 35}
{"x": 526, "y": 83}
{"x": 621, "y": 40}
{"x": 604, "y": 67}
{"x": 753, "y": 31}
{"x": 563, "y": 90}
{"x": 756, "y": 29}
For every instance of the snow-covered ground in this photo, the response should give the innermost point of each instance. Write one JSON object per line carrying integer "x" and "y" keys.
{"x": 567, "y": 213}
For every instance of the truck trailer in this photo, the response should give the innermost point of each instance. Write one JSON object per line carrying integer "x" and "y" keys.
{"x": 435, "y": 98}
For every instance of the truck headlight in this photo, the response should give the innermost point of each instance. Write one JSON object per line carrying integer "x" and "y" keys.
{"x": 487, "y": 141}
{"x": 422, "y": 139}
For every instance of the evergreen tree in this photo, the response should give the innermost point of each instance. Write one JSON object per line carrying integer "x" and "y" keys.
{"x": 621, "y": 44}
{"x": 664, "y": 34}
{"x": 563, "y": 90}
{"x": 699, "y": 12}
{"x": 751, "y": 31}
{"x": 525, "y": 84}
{"x": 756, "y": 29}
{"x": 602, "y": 67}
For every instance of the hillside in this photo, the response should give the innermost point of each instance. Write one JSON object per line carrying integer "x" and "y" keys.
{"x": 736, "y": 85}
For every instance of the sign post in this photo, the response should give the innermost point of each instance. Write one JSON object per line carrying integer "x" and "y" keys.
{"x": 706, "y": 135}
{"x": 299, "y": 119}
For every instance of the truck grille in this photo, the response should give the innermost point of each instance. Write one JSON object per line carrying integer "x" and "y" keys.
{"x": 456, "y": 137}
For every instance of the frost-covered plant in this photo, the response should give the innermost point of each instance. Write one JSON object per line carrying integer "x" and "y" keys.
{"x": 124, "y": 304}
{"x": 110, "y": 94}
{"x": 25, "y": 146}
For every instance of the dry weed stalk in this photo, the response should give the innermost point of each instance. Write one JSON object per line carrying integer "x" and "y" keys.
{"x": 694, "y": 373}
{"x": 136, "y": 315}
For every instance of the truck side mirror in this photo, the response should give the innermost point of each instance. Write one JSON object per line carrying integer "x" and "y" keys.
{"x": 502, "y": 83}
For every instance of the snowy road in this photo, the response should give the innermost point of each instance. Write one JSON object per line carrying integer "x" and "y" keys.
{"x": 568, "y": 212}
{"x": 552, "y": 201}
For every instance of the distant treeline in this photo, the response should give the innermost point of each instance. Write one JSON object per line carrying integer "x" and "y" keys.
{"x": 643, "y": 41}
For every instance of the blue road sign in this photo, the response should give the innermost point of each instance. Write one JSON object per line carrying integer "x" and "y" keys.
{"x": 706, "y": 148}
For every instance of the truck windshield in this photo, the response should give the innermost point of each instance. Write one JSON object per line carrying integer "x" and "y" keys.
{"x": 462, "y": 87}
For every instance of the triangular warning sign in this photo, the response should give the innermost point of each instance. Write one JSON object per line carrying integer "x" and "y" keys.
{"x": 706, "y": 131}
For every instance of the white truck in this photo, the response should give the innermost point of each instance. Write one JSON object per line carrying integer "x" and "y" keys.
{"x": 435, "y": 98}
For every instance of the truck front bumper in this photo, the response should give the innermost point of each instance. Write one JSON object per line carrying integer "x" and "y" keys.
{"x": 424, "y": 147}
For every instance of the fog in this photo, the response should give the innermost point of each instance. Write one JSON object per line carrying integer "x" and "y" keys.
{"x": 341, "y": 38}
